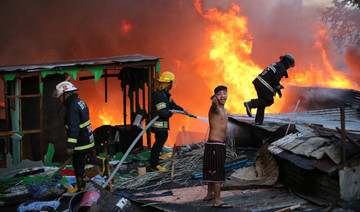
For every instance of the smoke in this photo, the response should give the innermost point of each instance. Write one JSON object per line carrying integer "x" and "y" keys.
{"x": 352, "y": 58}
{"x": 41, "y": 30}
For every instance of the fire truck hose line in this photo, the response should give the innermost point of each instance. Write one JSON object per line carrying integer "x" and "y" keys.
{"x": 138, "y": 137}
{"x": 128, "y": 151}
{"x": 190, "y": 115}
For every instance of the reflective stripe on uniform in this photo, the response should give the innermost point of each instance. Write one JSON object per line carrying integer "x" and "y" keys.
{"x": 72, "y": 140}
{"x": 265, "y": 83}
{"x": 160, "y": 106}
{"x": 85, "y": 124}
{"x": 67, "y": 127}
{"x": 160, "y": 124}
{"x": 85, "y": 146}
{"x": 272, "y": 68}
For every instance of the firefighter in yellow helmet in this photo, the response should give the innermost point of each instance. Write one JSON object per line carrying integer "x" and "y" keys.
{"x": 80, "y": 139}
{"x": 161, "y": 105}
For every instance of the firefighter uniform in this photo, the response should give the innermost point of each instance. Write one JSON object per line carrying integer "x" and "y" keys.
{"x": 161, "y": 105}
{"x": 80, "y": 138}
{"x": 267, "y": 84}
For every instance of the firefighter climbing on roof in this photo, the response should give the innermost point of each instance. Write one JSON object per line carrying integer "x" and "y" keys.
{"x": 80, "y": 139}
{"x": 161, "y": 105}
{"x": 267, "y": 84}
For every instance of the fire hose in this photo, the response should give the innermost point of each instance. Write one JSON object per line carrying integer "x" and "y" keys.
{"x": 138, "y": 137}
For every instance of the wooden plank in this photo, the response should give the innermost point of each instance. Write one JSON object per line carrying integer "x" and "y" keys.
{"x": 24, "y": 96}
{"x": 25, "y": 132}
{"x": 41, "y": 119}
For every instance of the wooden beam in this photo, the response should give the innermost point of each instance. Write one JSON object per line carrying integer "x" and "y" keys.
{"x": 41, "y": 119}
{"x": 8, "y": 133}
{"x": 343, "y": 138}
{"x": 24, "y": 96}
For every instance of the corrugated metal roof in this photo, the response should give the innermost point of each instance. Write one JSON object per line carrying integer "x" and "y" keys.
{"x": 69, "y": 63}
{"x": 325, "y": 164}
{"x": 329, "y": 118}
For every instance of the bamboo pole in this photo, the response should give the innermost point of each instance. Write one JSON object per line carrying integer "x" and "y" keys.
{"x": 287, "y": 130}
{"x": 343, "y": 137}
{"x": 173, "y": 163}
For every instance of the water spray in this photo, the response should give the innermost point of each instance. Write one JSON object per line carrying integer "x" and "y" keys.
{"x": 190, "y": 115}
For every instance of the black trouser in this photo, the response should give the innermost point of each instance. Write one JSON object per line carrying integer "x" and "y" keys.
{"x": 265, "y": 99}
{"x": 160, "y": 139}
{"x": 82, "y": 158}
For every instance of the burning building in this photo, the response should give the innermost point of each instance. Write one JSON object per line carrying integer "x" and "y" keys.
{"x": 34, "y": 119}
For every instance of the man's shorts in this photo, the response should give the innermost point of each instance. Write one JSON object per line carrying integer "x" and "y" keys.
{"x": 214, "y": 162}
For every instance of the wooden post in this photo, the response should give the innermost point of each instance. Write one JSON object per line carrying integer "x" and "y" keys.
{"x": 41, "y": 118}
{"x": 107, "y": 164}
{"x": 343, "y": 138}
{"x": 287, "y": 130}
{"x": 20, "y": 120}
{"x": 173, "y": 163}
{"x": 150, "y": 90}
{"x": 7, "y": 115}
{"x": 124, "y": 101}
{"x": 105, "y": 77}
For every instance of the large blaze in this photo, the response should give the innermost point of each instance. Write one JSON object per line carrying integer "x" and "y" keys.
{"x": 231, "y": 47}
{"x": 204, "y": 43}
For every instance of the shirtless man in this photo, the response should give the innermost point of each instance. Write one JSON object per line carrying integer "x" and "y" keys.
{"x": 214, "y": 155}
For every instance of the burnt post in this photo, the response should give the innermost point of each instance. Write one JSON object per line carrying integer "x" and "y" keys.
{"x": 343, "y": 137}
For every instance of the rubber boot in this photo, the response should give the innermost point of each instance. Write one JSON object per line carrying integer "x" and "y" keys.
{"x": 158, "y": 168}
{"x": 248, "y": 108}
{"x": 80, "y": 185}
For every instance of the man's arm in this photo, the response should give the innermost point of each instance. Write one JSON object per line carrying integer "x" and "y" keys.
{"x": 160, "y": 104}
{"x": 73, "y": 128}
{"x": 214, "y": 106}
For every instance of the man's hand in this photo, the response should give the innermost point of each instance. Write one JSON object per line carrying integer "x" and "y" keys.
{"x": 279, "y": 93}
{"x": 69, "y": 151}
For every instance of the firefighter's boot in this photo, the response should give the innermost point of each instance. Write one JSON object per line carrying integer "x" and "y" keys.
{"x": 158, "y": 168}
{"x": 80, "y": 185}
{"x": 248, "y": 108}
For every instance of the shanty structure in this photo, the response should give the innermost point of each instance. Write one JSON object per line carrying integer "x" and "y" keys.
{"x": 316, "y": 152}
{"x": 29, "y": 120}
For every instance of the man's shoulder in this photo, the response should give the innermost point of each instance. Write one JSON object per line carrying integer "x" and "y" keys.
{"x": 77, "y": 103}
{"x": 279, "y": 66}
{"x": 160, "y": 94}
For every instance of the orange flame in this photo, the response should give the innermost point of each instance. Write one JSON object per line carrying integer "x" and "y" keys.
{"x": 330, "y": 77}
{"x": 231, "y": 48}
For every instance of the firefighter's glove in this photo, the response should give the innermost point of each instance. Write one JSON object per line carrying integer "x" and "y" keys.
{"x": 278, "y": 91}
{"x": 279, "y": 87}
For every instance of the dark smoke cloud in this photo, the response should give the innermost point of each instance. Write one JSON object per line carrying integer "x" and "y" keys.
{"x": 352, "y": 59}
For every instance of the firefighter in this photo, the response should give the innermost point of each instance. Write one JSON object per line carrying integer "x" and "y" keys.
{"x": 267, "y": 84}
{"x": 161, "y": 105}
{"x": 80, "y": 139}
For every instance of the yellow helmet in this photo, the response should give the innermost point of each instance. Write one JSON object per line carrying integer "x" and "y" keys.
{"x": 167, "y": 77}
